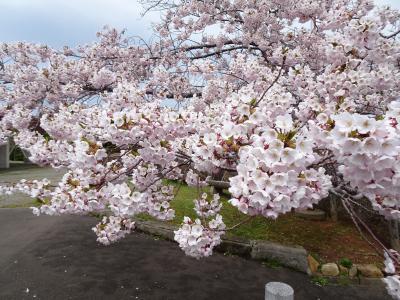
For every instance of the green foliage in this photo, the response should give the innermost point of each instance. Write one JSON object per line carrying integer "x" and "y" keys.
{"x": 319, "y": 280}
{"x": 97, "y": 215}
{"x": 345, "y": 262}
{"x": 344, "y": 280}
{"x": 272, "y": 263}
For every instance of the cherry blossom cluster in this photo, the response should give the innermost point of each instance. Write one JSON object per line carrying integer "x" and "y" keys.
{"x": 205, "y": 208}
{"x": 39, "y": 189}
{"x": 392, "y": 268}
{"x": 197, "y": 240}
{"x": 194, "y": 179}
{"x": 274, "y": 175}
{"x": 112, "y": 229}
{"x": 368, "y": 149}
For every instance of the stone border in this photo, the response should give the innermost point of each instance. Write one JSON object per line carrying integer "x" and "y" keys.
{"x": 345, "y": 280}
{"x": 292, "y": 257}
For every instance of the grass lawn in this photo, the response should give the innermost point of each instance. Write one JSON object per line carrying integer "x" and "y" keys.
{"x": 328, "y": 241}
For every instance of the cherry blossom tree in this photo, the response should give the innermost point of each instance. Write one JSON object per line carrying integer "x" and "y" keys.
{"x": 301, "y": 99}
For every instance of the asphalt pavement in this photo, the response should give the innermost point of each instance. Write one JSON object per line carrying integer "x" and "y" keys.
{"x": 58, "y": 258}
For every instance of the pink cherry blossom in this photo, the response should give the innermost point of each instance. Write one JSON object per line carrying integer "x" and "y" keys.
{"x": 294, "y": 100}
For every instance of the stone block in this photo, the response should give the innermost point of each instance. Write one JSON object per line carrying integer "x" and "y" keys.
{"x": 293, "y": 257}
{"x": 370, "y": 271}
{"x": 330, "y": 269}
{"x": 313, "y": 264}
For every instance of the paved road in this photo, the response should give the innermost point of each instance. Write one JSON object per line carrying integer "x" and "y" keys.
{"x": 58, "y": 258}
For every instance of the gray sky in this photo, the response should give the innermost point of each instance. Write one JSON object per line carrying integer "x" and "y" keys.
{"x": 69, "y": 22}
{"x": 73, "y": 22}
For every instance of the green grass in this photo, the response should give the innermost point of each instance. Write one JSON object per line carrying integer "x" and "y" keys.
{"x": 272, "y": 263}
{"x": 183, "y": 205}
{"x": 344, "y": 280}
{"x": 319, "y": 280}
{"x": 345, "y": 262}
{"x": 33, "y": 203}
{"x": 330, "y": 241}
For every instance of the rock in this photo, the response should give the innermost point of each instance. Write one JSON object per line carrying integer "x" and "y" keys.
{"x": 353, "y": 271}
{"x": 343, "y": 270}
{"x": 370, "y": 271}
{"x": 330, "y": 269}
{"x": 313, "y": 264}
{"x": 163, "y": 230}
{"x": 235, "y": 246}
{"x": 294, "y": 257}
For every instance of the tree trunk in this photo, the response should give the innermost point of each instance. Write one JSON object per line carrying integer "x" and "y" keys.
{"x": 394, "y": 234}
{"x": 333, "y": 207}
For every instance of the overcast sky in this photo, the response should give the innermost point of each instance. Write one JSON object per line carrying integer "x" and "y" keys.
{"x": 73, "y": 22}
{"x": 69, "y": 22}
